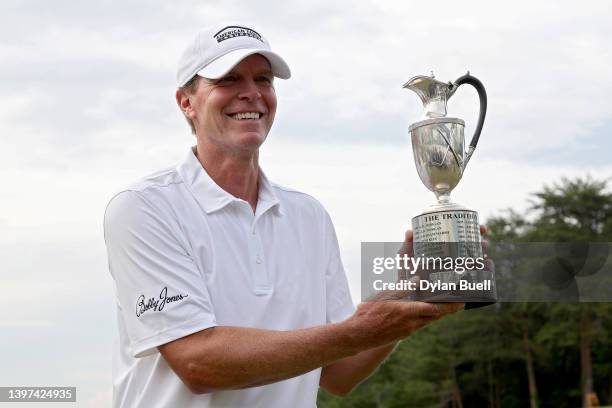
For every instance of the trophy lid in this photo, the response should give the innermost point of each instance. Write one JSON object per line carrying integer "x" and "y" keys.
{"x": 433, "y": 94}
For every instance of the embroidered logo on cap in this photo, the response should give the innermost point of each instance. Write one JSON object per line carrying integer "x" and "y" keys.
{"x": 236, "y": 31}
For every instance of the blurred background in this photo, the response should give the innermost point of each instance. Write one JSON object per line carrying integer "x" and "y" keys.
{"x": 87, "y": 106}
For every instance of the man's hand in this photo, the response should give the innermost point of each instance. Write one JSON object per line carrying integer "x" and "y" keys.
{"x": 380, "y": 322}
{"x": 378, "y": 325}
{"x": 389, "y": 316}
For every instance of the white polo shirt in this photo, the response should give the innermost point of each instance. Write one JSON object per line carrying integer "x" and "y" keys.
{"x": 186, "y": 255}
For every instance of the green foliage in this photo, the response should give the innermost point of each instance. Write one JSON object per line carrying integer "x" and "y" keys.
{"x": 573, "y": 210}
{"x": 483, "y": 352}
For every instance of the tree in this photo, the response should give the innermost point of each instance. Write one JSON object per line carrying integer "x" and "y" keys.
{"x": 578, "y": 211}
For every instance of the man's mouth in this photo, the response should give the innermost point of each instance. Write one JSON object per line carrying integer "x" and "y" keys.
{"x": 246, "y": 115}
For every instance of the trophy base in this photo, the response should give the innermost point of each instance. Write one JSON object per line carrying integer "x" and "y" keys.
{"x": 453, "y": 268}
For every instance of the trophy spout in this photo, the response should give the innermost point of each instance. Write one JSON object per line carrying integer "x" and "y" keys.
{"x": 433, "y": 93}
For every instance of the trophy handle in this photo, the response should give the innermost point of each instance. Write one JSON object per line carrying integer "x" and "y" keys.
{"x": 482, "y": 95}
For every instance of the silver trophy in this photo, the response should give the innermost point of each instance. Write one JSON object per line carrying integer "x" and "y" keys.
{"x": 446, "y": 229}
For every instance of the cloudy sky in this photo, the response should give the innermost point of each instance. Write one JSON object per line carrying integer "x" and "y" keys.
{"x": 86, "y": 107}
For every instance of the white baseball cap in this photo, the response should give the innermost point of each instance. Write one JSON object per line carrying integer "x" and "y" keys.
{"x": 216, "y": 50}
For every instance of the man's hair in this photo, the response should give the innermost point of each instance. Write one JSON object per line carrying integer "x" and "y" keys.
{"x": 190, "y": 88}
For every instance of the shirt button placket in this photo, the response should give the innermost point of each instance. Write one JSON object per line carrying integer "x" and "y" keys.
{"x": 262, "y": 283}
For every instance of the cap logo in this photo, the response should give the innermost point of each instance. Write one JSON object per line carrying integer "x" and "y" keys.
{"x": 236, "y": 31}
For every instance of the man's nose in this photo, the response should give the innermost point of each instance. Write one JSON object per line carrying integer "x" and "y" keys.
{"x": 249, "y": 90}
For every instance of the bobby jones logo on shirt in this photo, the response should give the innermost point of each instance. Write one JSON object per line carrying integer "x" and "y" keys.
{"x": 156, "y": 304}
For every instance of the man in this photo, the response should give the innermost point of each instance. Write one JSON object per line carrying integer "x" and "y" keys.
{"x": 230, "y": 289}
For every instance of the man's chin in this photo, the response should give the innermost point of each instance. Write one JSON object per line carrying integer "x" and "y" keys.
{"x": 240, "y": 143}
{"x": 250, "y": 141}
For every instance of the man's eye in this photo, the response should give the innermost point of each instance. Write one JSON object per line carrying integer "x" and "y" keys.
{"x": 227, "y": 79}
{"x": 265, "y": 79}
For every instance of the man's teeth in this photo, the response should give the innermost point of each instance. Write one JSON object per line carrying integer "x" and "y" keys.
{"x": 245, "y": 115}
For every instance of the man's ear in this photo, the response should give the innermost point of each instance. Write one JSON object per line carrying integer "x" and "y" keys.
{"x": 184, "y": 102}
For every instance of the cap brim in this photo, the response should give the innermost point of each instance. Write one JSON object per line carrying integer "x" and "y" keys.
{"x": 225, "y": 63}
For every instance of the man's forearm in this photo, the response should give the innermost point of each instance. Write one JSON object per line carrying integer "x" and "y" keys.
{"x": 343, "y": 375}
{"x": 235, "y": 357}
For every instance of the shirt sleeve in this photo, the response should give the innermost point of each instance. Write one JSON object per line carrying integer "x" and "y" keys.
{"x": 161, "y": 293}
{"x": 339, "y": 303}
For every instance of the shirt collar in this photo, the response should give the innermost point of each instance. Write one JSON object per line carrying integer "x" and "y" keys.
{"x": 211, "y": 197}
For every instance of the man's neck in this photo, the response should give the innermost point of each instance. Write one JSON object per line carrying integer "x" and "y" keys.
{"x": 238, "y": 175}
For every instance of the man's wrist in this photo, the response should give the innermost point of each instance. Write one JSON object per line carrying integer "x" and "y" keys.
{"x": 352, "y": 338}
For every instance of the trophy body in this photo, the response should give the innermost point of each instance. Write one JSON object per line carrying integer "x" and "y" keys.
{"x": 440, "y": 167}
{"x": 446, "y": 230}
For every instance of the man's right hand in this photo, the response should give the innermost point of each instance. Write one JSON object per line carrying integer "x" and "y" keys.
{"x": 388, "y": 318}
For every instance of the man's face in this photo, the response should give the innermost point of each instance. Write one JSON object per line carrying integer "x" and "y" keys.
{"x": 236, "y": 112}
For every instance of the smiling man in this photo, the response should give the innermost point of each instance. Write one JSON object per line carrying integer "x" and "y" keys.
{"x": 230, "y": 290}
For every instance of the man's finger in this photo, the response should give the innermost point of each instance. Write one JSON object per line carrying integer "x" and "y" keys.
{"x": 448, "y": 308}
{"x": 390, "y": 295}
{"x": 489, "y": 265}
{"x": 484, "y": 244}
{"x": 407, "y": 246}
{"x": 483, "y": 229}
{"x": 423, "y": 309}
